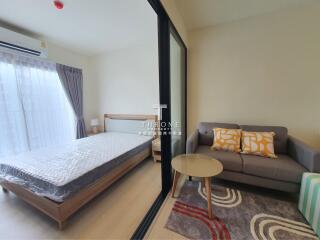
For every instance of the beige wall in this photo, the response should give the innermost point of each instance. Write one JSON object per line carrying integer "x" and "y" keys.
{"x": 261, "y": 70}
{"x": 127, "y": 80}
{"x": 64, "y": 56}
{"x": 176, "y": 18}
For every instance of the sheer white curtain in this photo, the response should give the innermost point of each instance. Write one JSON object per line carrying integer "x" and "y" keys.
{"x": 34, "y": 110}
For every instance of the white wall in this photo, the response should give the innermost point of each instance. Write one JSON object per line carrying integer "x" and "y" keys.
{"x": 64, "y": 56}
{"x": 127, "y": 80}
{"x": 261, "y": 70}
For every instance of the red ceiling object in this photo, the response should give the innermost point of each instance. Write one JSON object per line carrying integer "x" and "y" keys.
{"x": 58, "y": 4}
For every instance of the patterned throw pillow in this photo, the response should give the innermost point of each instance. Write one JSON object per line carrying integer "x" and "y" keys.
{"x": 258, "y": 143}
{"x": 226, "y": 139}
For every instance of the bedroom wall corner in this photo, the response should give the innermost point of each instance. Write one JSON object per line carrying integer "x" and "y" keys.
{"x": 127, "y": 80}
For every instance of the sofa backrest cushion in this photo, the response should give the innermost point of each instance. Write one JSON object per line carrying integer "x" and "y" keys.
{"x": 280, "y": 139}
{"x": 206, "y": 132}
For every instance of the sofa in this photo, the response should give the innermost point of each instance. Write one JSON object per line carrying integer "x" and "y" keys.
{"x": 283, "y": 173}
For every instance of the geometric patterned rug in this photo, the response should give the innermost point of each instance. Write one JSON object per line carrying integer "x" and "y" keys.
{"x": 238, "y": 215}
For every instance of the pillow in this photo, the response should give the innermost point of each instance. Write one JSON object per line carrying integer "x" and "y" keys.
{"x": 258, "y": 143}
{"x": 226, "y": 139}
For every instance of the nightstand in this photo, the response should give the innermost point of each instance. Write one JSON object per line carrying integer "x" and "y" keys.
{"x": 156, "y": 149}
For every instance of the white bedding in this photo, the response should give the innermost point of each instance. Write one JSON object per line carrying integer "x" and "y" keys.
{"x": 62, "y": 164}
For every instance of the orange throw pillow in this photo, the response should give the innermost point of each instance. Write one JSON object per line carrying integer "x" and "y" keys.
{"x": 226, "y": 139}
{"x": 258, "y": 143}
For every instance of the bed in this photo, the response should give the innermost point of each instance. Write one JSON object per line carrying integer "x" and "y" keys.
{"x": 59, "y": 180}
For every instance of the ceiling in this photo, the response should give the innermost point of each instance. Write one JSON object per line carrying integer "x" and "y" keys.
{"x": 84, "y": 26}
{"x": 204, "y": 13}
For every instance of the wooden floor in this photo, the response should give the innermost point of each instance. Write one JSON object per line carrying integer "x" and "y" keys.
{"x": 157, "y": 230}
{"x": 115, "y": 214}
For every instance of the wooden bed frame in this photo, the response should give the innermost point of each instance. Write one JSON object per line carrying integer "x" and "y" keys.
{"x": 60, "y": 212}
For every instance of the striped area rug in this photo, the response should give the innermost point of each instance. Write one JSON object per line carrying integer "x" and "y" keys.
{"x": 239, "y": 215}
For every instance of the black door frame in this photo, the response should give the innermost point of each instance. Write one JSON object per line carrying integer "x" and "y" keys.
{"x": 165, "y": 26}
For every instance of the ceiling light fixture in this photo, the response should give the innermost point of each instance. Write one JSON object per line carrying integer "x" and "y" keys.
{"x": 58, "y": 4}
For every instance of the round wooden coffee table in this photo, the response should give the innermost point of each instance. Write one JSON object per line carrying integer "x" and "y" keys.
{"x": 196, "y": 165}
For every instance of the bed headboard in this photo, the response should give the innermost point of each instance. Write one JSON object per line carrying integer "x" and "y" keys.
{"x": 130, "y": 121}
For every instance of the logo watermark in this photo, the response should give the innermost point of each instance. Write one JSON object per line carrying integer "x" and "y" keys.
{"x": 160, "y": 127}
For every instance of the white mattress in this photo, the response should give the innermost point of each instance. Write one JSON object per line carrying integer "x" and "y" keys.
{"x": 62, "y": 164}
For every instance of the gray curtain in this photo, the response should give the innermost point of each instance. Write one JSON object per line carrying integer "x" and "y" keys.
{"x": 71, "y": 79}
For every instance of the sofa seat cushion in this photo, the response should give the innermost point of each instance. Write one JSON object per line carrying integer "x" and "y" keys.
{"x": 283, "y": 168}
{"x": 230, "y": 160}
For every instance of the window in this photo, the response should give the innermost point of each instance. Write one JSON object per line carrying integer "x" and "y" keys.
{"x": 34, "y": 110}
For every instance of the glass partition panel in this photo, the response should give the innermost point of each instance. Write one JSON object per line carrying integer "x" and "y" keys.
{"x": 177, "y": 95}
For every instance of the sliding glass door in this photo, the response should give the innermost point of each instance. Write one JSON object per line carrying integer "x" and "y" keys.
{"x": 172, "y": 85}
{"x": 177, "y": 94}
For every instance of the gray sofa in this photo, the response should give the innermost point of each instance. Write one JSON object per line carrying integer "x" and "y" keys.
{"x": 283, "y": 173}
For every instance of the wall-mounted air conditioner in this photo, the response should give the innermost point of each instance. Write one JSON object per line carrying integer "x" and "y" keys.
{"x": 22, "y": 43}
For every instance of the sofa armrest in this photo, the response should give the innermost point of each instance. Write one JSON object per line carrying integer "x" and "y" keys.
{"x": 304, "y": 154}
{"x": 192, "y": 142}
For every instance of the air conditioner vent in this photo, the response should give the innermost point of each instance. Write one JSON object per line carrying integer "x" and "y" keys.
{"x": 22, "y": 43}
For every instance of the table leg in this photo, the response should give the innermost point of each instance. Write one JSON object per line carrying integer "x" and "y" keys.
{"x": 175, "y": 182}
{"x": 62, "y": 224}
{"x": 208, "y": 188}
{"x": 203, "y": 184}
